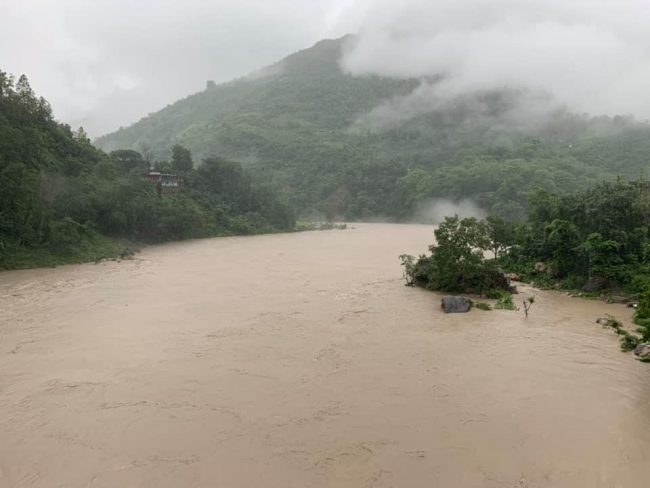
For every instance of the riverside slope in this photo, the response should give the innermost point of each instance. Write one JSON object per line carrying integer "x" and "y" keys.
{"x": 301, "y": 360}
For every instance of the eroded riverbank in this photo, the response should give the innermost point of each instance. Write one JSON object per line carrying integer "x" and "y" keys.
{"x": 302, "y": 360}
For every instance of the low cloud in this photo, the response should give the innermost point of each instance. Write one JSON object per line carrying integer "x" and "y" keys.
{"x": 434, "y": 211}
{"x": 591, "y": 56}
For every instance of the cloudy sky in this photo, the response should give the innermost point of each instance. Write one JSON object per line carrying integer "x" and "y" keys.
{"x": 106, "y": 63}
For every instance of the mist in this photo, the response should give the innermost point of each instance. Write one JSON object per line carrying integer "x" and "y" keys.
{"x": 591, "y": 57}
{"x": 434, "y": 210}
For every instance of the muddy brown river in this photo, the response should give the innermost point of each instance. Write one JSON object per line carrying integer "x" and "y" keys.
{"x": 302, "y": 360}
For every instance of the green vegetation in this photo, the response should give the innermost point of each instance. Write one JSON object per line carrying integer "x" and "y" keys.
{"x": 483, "y": 306}
{"x": 528, "y": 303}
{"x": 628, "y": 341}
{"x": 595, "y": 240}
{"x": 505, "y": 303}
{"x": 642, "y": 316}
{"x": 457, "y": 262}
{"x": 62, "y": 200}
{"x": 311, "y": 131}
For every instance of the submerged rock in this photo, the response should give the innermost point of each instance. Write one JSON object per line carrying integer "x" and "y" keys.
{"x": 452, "y": 304}
{"x": 643, "y": 350}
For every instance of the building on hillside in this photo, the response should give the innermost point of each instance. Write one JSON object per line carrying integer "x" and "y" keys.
{"x": 167, "y": 183}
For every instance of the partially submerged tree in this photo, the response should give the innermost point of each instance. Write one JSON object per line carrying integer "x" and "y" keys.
{"x": 457, "y": 262}
{"x": 528, "y": 303}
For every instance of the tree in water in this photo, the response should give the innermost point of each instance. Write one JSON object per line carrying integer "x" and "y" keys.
{"x": 528, "y": 302}
{"x": 457, "y": 262}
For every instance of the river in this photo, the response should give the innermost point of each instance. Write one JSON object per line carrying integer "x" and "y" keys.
{"x": 301, "y": 360}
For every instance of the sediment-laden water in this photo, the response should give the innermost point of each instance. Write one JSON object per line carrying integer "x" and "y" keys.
{"x": 301, "y": 360}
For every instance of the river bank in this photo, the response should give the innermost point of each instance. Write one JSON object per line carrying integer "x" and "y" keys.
{"x": 303, "y": 360}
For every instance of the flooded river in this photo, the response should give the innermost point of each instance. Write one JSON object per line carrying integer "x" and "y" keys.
{"x": 301, "y": 360}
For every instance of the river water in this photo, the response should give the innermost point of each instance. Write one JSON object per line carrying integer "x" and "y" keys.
{"x": 301, "y": 360}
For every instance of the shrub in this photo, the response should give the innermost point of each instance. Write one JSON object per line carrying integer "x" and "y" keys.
{"x": 505, "y": 303}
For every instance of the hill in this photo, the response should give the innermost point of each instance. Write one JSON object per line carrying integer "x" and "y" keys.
{"x": 363, "y": 147}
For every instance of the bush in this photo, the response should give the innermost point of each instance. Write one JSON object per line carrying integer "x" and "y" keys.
{"x": 642, "y": 315}
{"x": 505, "y": 303}
{"x": 67, "y": 236}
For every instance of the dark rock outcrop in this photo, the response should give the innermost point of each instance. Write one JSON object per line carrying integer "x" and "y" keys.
{"x": 454, "y": 304}
{"x": 643, "y": 351}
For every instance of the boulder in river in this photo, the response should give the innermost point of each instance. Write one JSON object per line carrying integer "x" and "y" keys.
{"x": 453, "y": 304}
{"x": 643, "y": 351}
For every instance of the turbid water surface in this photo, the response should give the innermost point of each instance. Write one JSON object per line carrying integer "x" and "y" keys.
{"x": 302, "y": 360}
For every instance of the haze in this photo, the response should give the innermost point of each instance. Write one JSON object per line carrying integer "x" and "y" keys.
{"x": 107, "y": 64}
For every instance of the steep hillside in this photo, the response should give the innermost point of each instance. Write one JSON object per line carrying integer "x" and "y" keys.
{"x": 349, "y": 146}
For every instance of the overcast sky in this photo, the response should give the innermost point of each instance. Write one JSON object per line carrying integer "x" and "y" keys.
{"x": 106, "y": 63}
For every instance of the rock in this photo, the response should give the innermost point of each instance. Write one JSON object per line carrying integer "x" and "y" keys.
{"x": 512, "y": 289}
{"x": 602, "y": 320}
{"x": 452, "y": 304}
{"x": 632, "y": 304}
{"x": 643, "y": 351}
{"x": 593, "y": 284}
{"x": 617, "y": 299}
{"x": 540, "y": 267}
{"x": 514, "y": 277}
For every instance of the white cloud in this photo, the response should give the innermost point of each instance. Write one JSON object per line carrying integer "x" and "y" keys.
{"x": 592, "y": 55}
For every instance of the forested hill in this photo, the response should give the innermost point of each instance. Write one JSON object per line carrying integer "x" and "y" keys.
{"x": 314, "y": 132}
{"x": 63, "y": 200}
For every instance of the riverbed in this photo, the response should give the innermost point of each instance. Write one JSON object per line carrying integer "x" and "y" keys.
{"x": 302, "y": 360}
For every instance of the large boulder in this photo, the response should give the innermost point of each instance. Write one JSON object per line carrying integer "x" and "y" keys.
{"x": 452, "y": 304}
{"x": 643, "y": 351}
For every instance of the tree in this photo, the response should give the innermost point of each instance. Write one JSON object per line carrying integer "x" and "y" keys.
{"x": 181, "y": 159}
{"x": 457, "y": 263}
{"x": 501, "y": 234}
{"x": 26, "y": 95}
{"x": 126, "y": 160}
{"x": 562, "y": 239}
